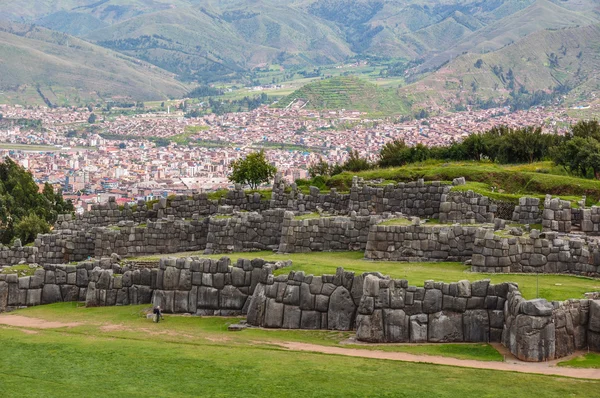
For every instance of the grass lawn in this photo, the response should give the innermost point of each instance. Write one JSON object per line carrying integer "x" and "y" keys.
{"x": 551, "y": 287}
{"x": 590, "y": 360}
{"x": 481, "y": 352}
{"x": 117, "y": 352}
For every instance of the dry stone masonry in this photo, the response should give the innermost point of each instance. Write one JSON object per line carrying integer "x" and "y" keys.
{"x": 528, "y": 211}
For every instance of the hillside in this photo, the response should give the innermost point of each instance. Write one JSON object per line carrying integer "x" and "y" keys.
{"x": 539, "y": 16}
{"x": 348, "y": 93}
{"x": 210, "y": 40}
{"x": 559, "y": 61}
{"x": 38, "y": 62}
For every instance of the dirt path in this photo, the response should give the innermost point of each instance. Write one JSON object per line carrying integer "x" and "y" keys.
{"x": 34, "y": 323}
{"x": 545, "y": 368}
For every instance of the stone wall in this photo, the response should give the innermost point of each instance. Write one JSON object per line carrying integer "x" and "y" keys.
{"x": 544, "y": 253}
{"x": 556, "y": 215}
{"x": 209, "y": 287}
{"x": 420, "y": 243}
{"x": 528, "y": 211}
{"x": 17, "y": 254}
{"x": 164, "y": 236}
{"x": 325, "y": 233}
{"x": 412, "y": 198}
{"x": 466, "y": 208}
{"x": 536, "y": 330}
{"x": 54, "y": 283}
{"x": 391, "y": 311}
{"x": 298, "y": 301}
{"x": 590, "y": 220}
{"x": 244, "y": 232}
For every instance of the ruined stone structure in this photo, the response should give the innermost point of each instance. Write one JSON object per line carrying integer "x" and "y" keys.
{"x": 378, "y": 308}
{"x": 544, "y": 253}
{"x": 391, "y": 311}
{"x": 528, "y": 211}
{"x": 556, "y": 215}
{"x": 420, "y": 243}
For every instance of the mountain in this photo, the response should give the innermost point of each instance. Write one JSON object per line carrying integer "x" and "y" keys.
{"x": 39, "y": 65}
{"x": 563, "y": 63}
{"x": 349, "y": 93}
{"x": 211, "y": 40}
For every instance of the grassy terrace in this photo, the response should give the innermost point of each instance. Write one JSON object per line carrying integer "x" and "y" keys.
{"x": 503, "y": 182}
{"x": 117, "y": 352}
{"x": 551, "y": 287}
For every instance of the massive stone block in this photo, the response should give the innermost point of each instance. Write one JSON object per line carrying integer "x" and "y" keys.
{"x": 445, "y": 327}
{"x": 395, "y": 326}
{"x": 341, "y": 310}
{"x": 476, "y": 326}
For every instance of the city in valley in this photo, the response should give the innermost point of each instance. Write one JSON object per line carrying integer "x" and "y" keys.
{"x": 153, "y": 154}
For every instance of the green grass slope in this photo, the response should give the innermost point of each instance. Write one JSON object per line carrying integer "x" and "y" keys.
{"x": 68, "y": 70}
{"x": 509, "y": 182}
{"x": 350, "y": 93}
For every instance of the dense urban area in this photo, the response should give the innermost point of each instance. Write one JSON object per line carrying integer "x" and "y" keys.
{"x": 91, "y": 156}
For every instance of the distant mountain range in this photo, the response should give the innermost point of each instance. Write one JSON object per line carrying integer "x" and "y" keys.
{"x": 211, "y": 40}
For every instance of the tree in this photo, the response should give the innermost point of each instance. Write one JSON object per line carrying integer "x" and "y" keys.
{"x": 355, "y": 163}
{"x": 28, "y": 228}
{"x": 252, "y": 170}
{"x": 321, "y": 168}
{"x": 92, "y": 118}
{"x": 20, "y": 198}
{"x": 394, "y": 153}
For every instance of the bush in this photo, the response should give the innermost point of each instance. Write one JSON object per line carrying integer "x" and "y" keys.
{"x": 28, "y": 228}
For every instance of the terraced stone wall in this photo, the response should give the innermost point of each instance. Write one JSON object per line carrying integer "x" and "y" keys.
{"x": 242, "y": 232}
{"x": 420, "y": 243}
{"x": 299, "y": 301}
{"x": 466, "y": 208}
{"x": 325, "y": 233}
{"x": 391, "y": 311}
{"x": 548, "y": 252}
{"x": 155, "y": 237}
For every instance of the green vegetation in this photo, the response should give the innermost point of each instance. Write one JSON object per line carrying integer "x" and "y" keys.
{"x": 253, "y": 170}
{"x": 497, "y": 181}
{"x": 159, "y": 360}
{"x": 21, "y": 270}
{"x": 349, "y": 93}
{"x": 396, "y": 221}
{"x": 481, "y": 352}
{"x": 25, "y": 211}
{"x": 550, "y": 287}
{"x": 308, "y": 216}
{"x": 589, "y": 360}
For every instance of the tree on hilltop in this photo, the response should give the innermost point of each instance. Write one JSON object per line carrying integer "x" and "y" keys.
{"x": 252, "y": 170}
